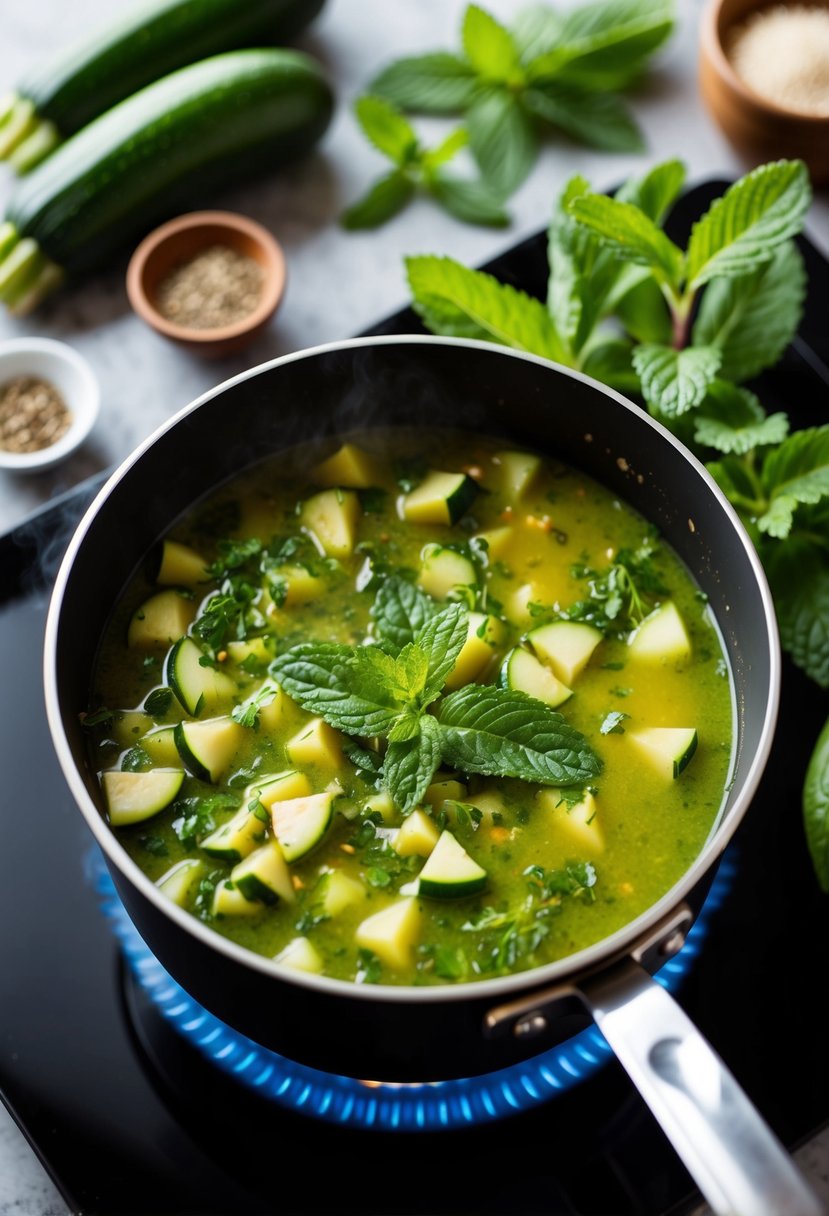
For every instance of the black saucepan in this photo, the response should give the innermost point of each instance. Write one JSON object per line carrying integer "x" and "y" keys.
{"x": 439, "y": 1032}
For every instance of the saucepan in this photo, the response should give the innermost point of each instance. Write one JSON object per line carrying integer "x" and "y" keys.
{"x": 437, "y": 1032}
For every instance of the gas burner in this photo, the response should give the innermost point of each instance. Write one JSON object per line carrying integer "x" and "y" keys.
{"x": 374, "y": 1105}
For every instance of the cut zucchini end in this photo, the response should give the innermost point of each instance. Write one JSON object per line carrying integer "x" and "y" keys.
{"x": 42, "y": 139}
{"x": 299, "y": 824}
{"x": 670, "y": 749}
{"x": 179, "y": 882}
{"x": 207, "y": 748}
{"x": 450, "y": 873}
{"x": 195, "y": 687}
{"x": 264, "y": 875}
{"x": 441, "y": 498}
{"x": 134, "y": 797}
{"x": 19, "y": 121}
{"x": 523, "y": 672}
{"x": 566, "y": 647}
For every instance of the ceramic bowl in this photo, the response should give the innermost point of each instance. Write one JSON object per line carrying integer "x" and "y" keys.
{"x": 74, "y": 379}
{"x": 181, "y": 239}
{"x": 759, "y": 129}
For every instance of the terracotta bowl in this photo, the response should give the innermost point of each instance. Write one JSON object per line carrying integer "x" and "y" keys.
{"x": 181, "y": 239}
{"x": 759, "y": 130}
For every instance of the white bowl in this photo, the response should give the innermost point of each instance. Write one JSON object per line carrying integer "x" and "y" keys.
{"x": 71, "y": 375}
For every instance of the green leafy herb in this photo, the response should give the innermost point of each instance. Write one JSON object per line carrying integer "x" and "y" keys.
{"x": 369, "y": 967}
{"x": 158, "y": 702}
{"x": 367, "y": 691}
{"x": 612, "y": 723}
{"x": 195, "y": 816}
{"x": 617, "y": 595}
{"x": 416, "y": 169}
{"x": 136, "y": 760}
{"x": 155, "y": 845}
{"x": 248, "y": 714}
{"x": 816, "y": 807}
{"x": 98, "y": 717}
{"x": 551, "y": 72}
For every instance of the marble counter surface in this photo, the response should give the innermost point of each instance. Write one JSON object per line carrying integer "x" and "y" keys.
{"x": 338, "y": 283}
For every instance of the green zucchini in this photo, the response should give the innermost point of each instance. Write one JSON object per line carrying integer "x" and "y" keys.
{"x": 63, "y": 93}
{"x": 171, "y": 146}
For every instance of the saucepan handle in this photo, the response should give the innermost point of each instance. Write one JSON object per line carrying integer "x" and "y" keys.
{"x": 737, "y": 1162}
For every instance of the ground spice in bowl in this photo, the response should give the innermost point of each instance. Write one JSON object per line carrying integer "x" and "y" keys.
{"x": 782, "y": 54}
{"x": 213, "y": 289}
{"x": 33, "y": 415}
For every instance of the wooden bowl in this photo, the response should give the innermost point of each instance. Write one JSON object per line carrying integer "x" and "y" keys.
{"x": 759, "y": 129}
{"x": 183, "y": 238}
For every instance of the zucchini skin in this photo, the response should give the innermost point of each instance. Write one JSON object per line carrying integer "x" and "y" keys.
{"x": 152, "y": 39}
{"x": 208, "y": 126}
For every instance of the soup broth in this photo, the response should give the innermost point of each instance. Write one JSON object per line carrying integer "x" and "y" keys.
{"x": 580, "y": 711}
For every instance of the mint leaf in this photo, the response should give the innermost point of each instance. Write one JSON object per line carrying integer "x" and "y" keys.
{"x": 340, "y": 684}
{"x": 604, "y": 45}
{"x": 400, "y": 610}
{"x": 489, "y": 46}
{"x": 731, "y": 419}
{"x": 441, "y": 639}
{"x": 742, "y": 229}
{"x": 490, "y": 730}
{"x": 675, "y": 381}
{"x": 445, "y": 151}
{"x": 611, "y": 363}
{"x": 816, "y": 807}
{"x": 657, "y": 191}
{"x": 799, "y": 578}
{"x": 753, "y": 317}
{"x": 501, "y": 139}
{"x": 248, "y": 713}
{"x": 386, "y": 128}
{"x": 536, "y": 30}
{"x": 796, "y": 472}
{"x": 612, "y": 723}
{"x": 410, "y": 764}
{"x": 435, "y": 83}
{"x": 644, "y": 314}
{"x": 581, "y": 271}
{"x": 457, "y": 301}
{"x": 470, "y": 201}
{"x": 600, "y": 120}
{"x": 632, "y": 235}
{"x": 388, "y": 196}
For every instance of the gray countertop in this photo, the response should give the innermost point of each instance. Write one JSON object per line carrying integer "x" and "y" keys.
{"x": 338, "y": 283}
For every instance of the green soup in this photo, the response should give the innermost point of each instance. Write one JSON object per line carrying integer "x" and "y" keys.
{"x": 418, "y": 710}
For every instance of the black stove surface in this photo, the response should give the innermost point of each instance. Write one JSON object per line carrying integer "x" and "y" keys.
{"x": 130, "y": 1119}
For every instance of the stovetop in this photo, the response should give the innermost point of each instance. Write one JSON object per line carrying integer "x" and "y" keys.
{"x": 130, "y": 1118}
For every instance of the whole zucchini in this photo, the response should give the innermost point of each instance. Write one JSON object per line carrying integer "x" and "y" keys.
{"x": 169, "y": 147}
{"x": 59, "y": 96}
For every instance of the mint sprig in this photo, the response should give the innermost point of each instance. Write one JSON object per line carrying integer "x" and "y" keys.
{"x": 395, "y": 693}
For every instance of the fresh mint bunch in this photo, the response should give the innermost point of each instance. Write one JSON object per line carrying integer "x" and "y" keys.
{"x": 394, "y": 690}
{"x": 553, "y": 71}
{"x": 416, "y": 168}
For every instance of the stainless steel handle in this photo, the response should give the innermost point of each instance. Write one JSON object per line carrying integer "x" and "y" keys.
{"x": 738, "y": 1164}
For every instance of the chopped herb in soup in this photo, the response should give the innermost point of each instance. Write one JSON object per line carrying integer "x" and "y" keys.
{"x": 417, "y": 710}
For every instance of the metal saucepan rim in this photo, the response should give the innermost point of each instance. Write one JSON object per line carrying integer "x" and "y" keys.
{"x": 587, "y": 959}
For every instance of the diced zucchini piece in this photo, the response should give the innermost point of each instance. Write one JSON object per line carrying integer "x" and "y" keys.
{"x": 450, "y": 873}
{"x": 439, "y": 791}
{"x": 348, "y": 466}
{"x": 489, "y": 803}
{"x": 382, "y": 804}
{"x": 160, "y": 746}
{"x": 299, "y": 586}
{"x": 523, "y": 672}
{"x": 207, "y": 748}
{"x": 237, "y": 838}
{"x": 279, "y": 787}
{"x": 264, "y": 875}
{"x": 578, "y": 822}
{"x": 133, "y": 797}
{"x": 196, "y": 687}
{"x": 441, "y": 570}
{"x": 391, "y": 933}
{"x": 441, "y": 498}
{"x": 257, "y": 649}
{"x": 272, "y": 716}
{"x": 160, "y": 620}
{"x": 662, "y": 636}
{"x": 484, "y": 635}
{"x": 338, "y": 892}
{"x": 417, "y": 837}
{"x": 299, "y": 824}
{"x": 517, "y": 605}
{"x": 668, "y": 748}
{"x": 180, "y": 566}
{"x": 515, "y": 472}
{"x": 128, "y": 727}
{"x": 300, "y": 955}
{"x": 228, "y": 900}
{"x": 316, "y": 743}
{"x": 332, "y": 518}
{"x": 565, "y": 646}
{"x": 499, "y": 541}
{"x": 181, "y": 880}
